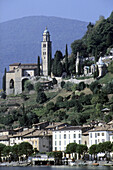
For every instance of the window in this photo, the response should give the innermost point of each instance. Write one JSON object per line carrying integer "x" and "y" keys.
{"x": 98, "y": 134}
{"x": 55, "y": 143}
{"x": 95, "y": 135}
{"x": 65, "y": 142}
{"x": 59, "y": 142}
{"x": 102, "y": 134}
{"x": 74, "y": 135}
{"x": 44, "y": 45}
{"x": 64, "y": 136}
{"x": 60, "y": 136}
{"x": 69, "y": 136}
{"x": 90, "y": 135}
{"x": 35, "y": 143}
{"x": 55, "y": 148}
{"x": 44, "y": 53}
{"x": 79, "y": 141}
{"x": 11, "y": 84}
{"x": 79, "y": 135}
{"x": 74, "y": 141}
{"x": 103, "y": 140}
{"x": 55, "y": 136}
{"x": 95, "y": 141}
{"x": 32, "y": 142}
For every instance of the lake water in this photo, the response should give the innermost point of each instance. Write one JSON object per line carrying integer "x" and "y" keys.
{"x": 56, "y": 168}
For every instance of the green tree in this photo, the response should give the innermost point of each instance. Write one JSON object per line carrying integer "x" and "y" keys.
{"x": 28, "y": 85}
{"x": 38, "y": 66}
{"x": 62, "y": 84}
{"x": 38, "y": 87}
{"x": 4, "y": 81}
{"x": 6, "y": 151}
{"x": 66, "y": 60}
{"x": 71, "y": 148}
{"x": 54, "y": 81}
{"x": 15, "y": 152}
{"x": 81, "y": 149}
{"x": 107, "y": 148}
{"x": 93, "y": 150}
{"x": 50, "y": 106}
{"x": 41, "y": 96}
{"x": 25, "y": 148}
{"x": 58, "y": 157}
{"x": 2, "y": 146}
{"x": 57, "y": 66}
{"x": 110, "y": 67}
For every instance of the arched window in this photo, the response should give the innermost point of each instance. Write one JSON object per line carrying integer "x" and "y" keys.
{"x": 11, "y": 85}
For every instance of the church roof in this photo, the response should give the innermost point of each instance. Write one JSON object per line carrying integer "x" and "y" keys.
{"x": 18, "y": 64}
{"x": 11, "y": 71}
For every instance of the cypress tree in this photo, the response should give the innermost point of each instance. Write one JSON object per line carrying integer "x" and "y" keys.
{"x": 38, "y": 66}
{"x": 66, "y": 60}
{"x": 4, "y": 81}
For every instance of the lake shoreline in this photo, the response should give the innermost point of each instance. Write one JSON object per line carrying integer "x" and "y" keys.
{"x": 78, "y": 164}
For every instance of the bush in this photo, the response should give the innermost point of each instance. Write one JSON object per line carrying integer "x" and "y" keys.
{"x": 28, "y": 85}
{"x": 62, "y": 84}
{"x": 59, "y": 99}
{"x": 54, "y": 81}
{"x": 68, "y": 86}
{"x": 3, "y": 95}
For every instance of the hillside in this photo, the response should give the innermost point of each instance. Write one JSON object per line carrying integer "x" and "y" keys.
{"x": 20, "y": 39}
{"x": 98, "y": 39}
{"x": 76, "y": 104}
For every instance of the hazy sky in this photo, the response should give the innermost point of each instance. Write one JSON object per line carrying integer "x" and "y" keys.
{"x": 84, "y": 10}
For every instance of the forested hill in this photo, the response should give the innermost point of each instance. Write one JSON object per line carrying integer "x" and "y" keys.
{"x": 98, "y": 38}
{"x": 20, "y": 39}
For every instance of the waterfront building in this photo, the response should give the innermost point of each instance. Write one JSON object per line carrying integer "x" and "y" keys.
{"x": 100, "y": 134}
{"x": 65, "y": 135}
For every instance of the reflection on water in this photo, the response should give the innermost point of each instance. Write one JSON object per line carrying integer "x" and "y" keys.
{"x": 57, "y": 168}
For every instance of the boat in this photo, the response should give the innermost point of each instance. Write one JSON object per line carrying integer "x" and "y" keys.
{"x": 109, "y": 164}
{"x": 72, "y": 163}
{"x": 95, "y": 164}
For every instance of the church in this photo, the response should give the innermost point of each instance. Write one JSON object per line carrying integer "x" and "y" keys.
{"x": 18, "y": 73}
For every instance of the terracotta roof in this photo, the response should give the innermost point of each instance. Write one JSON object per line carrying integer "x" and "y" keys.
{"x": 55, "y": 124}
{"x": 39, "y": 133}
{"x": 23, "y": 133}
{"x": 71, "y": 128}
{"x": 102, "y": 128}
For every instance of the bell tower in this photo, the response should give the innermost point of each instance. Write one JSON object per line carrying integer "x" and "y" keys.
{"x": 46, "y": 53}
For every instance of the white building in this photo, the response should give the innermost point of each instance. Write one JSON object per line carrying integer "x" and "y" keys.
{"x": 62, "y": 137}
{"x": 100, "y": 134}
